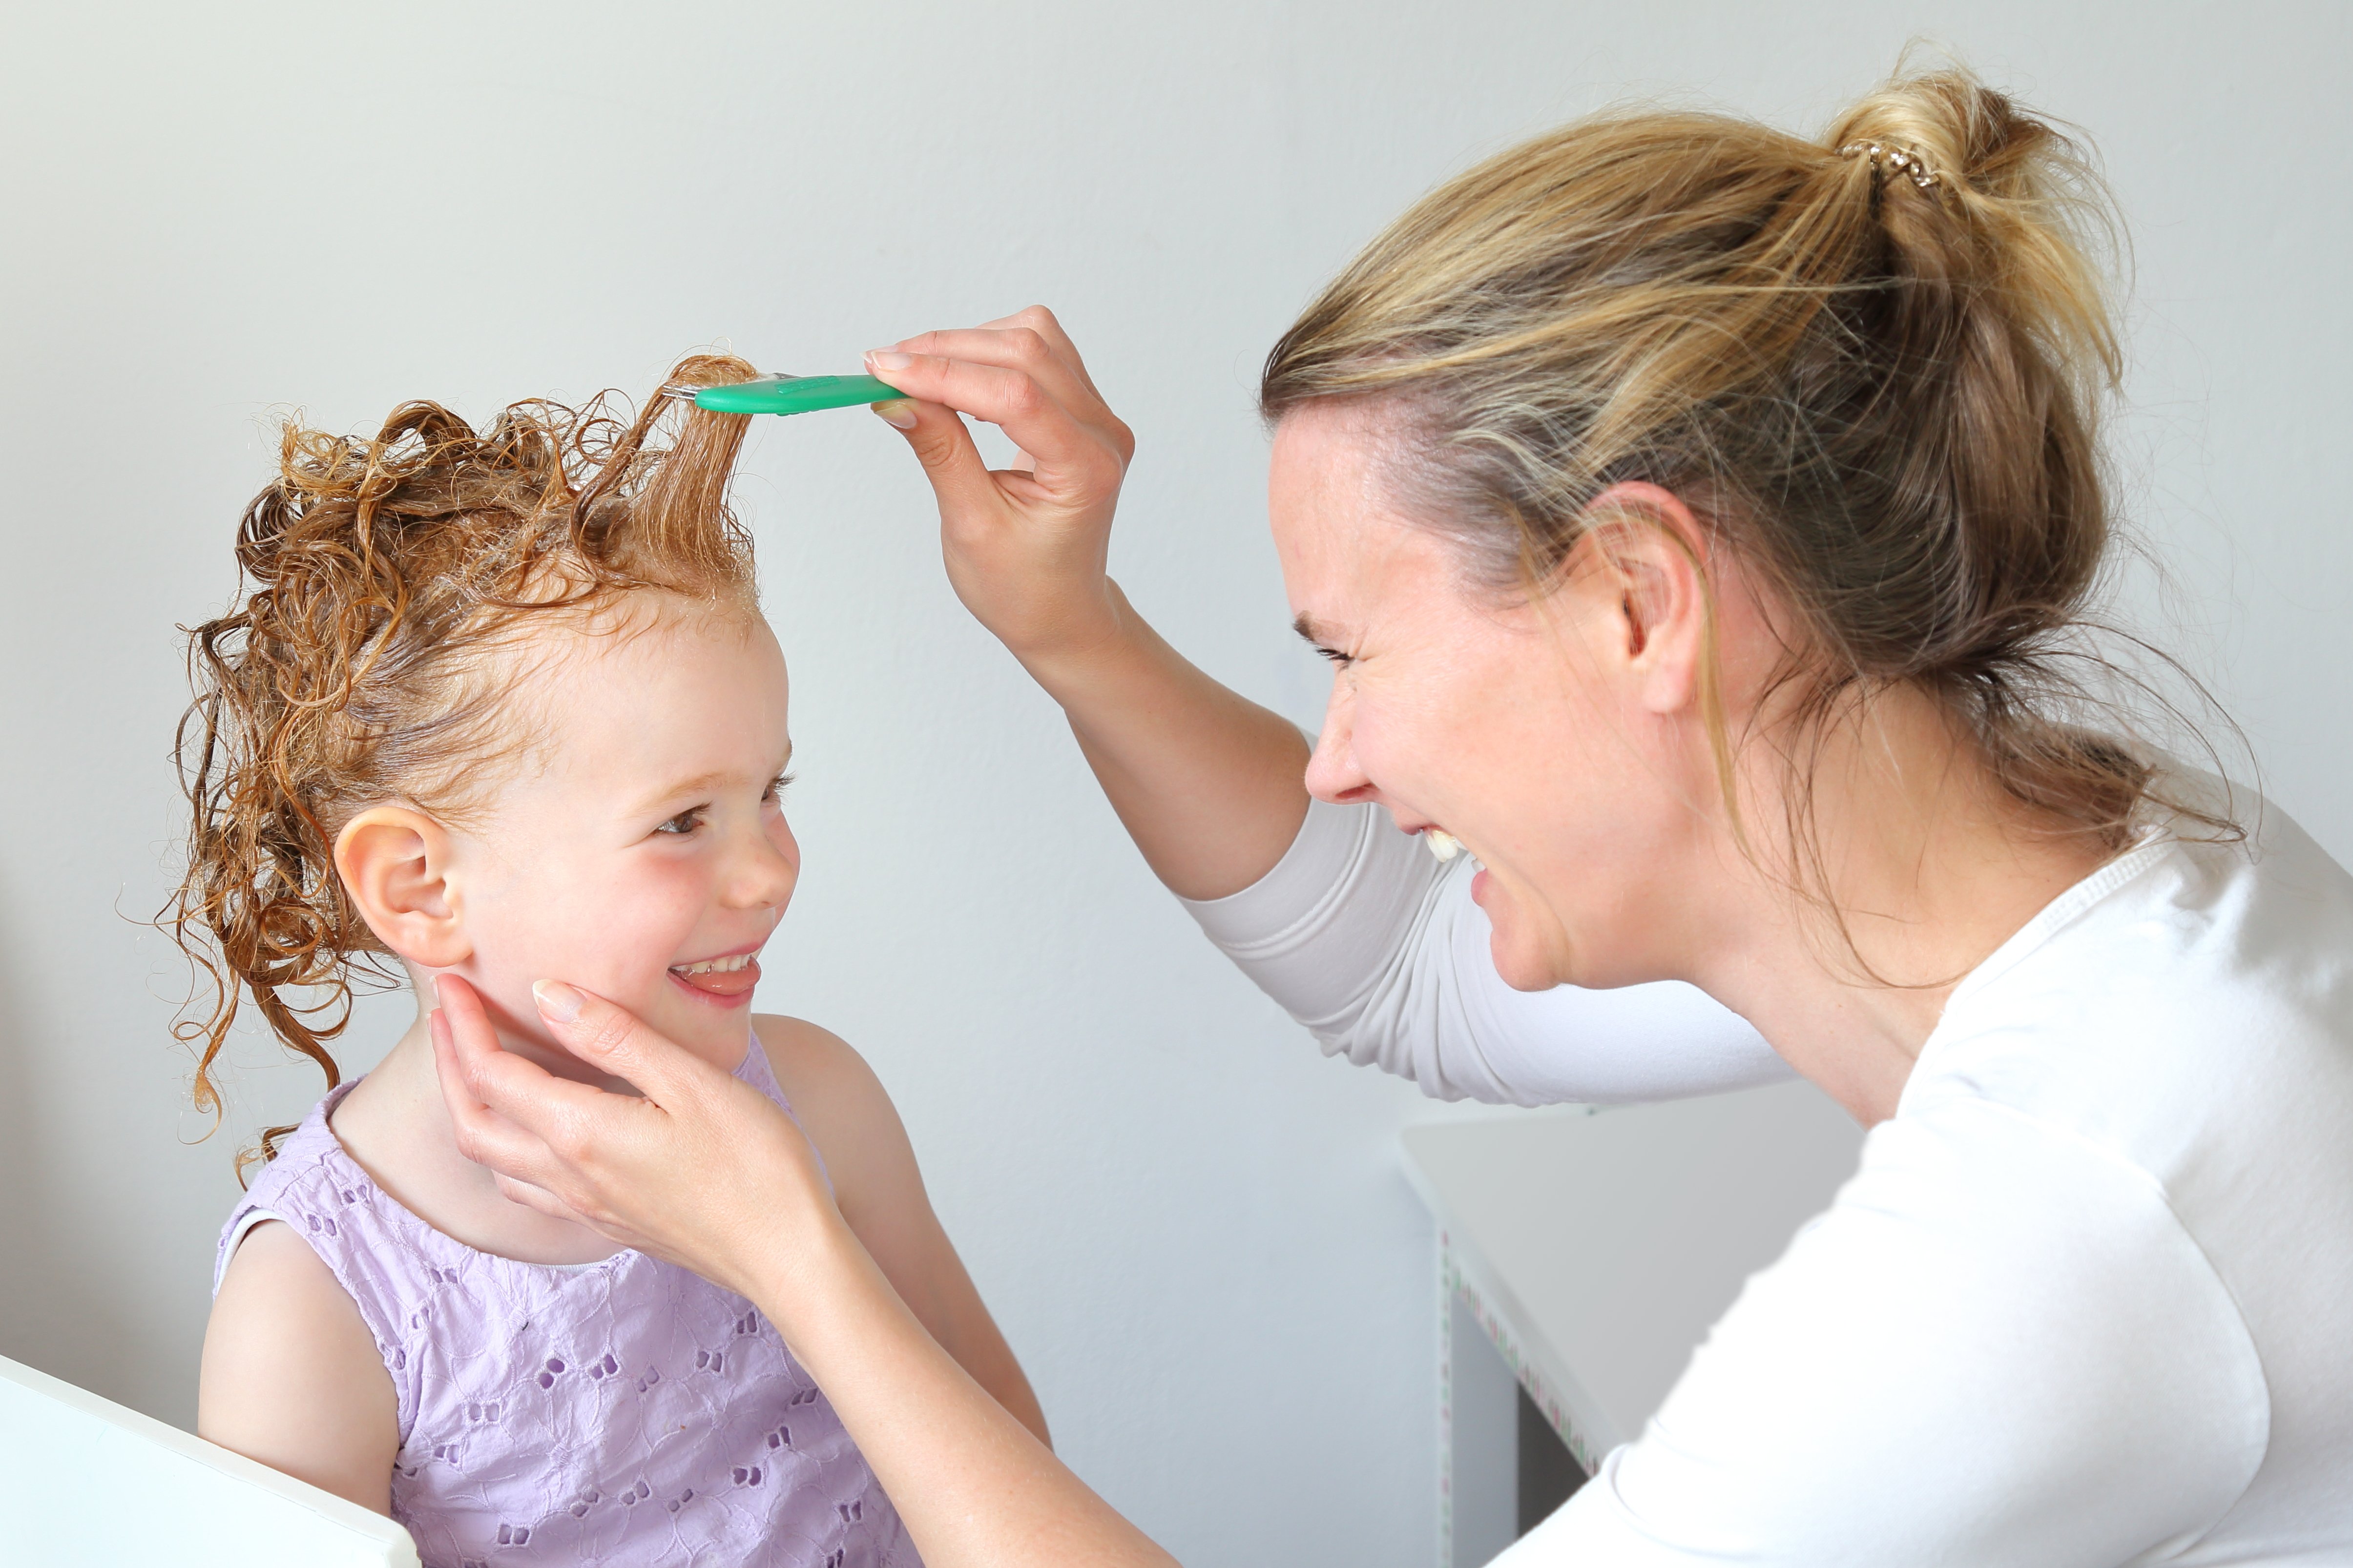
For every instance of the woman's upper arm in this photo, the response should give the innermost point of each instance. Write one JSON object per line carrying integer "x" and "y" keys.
{"x": 291, "y": 1376}
{"x": 848, "y": 1116}
{"x": 1376, "y": 946}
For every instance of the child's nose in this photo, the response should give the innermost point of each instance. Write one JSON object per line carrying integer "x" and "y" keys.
{"x": 764, "y": 874}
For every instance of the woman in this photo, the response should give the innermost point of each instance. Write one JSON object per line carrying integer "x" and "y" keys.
{"x": 1700, "y": 520}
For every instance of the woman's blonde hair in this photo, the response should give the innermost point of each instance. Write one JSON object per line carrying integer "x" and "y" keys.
{"x": 389, "y": 577}
{"x": 1871, "y": 365}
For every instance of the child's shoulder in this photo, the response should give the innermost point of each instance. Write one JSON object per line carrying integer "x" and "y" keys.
{"x": 838, "y": 1102}
{"x": 291, "y": 1373}
{"x": 813, "y": 1064}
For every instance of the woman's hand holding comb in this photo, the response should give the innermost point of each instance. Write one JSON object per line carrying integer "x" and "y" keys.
{"x": 1026, "y": 546}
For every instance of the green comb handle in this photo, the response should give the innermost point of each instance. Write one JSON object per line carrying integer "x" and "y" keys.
{"x": 793, "y": 393}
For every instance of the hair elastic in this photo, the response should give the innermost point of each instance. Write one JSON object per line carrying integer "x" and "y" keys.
{"x": 1908, "y": 165}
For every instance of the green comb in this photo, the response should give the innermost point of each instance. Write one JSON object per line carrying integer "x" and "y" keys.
{"x": 787, "y": 394}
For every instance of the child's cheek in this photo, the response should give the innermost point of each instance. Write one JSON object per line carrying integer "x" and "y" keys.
{"x": 629, "y": 922}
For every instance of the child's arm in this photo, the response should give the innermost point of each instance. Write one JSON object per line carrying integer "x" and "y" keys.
{"x": 292, "y": 1377}
{"x": 842, "y": 1107}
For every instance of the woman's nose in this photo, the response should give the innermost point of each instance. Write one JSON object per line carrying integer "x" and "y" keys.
{"x": 1332, "y": 771}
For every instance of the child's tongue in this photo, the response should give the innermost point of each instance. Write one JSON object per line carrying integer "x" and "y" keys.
{"x": 723, "y": 981}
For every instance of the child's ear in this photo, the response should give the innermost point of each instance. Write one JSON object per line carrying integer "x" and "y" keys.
{"x": 394, "y": 863}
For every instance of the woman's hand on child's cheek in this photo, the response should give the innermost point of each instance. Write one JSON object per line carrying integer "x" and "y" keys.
{"x": 703, "y": 1171}
{"x": 483, "y": 1135}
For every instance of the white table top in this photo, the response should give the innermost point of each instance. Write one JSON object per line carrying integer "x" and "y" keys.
{"x": 1600, "y": 1244}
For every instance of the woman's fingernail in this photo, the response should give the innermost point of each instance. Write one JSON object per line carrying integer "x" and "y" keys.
{"x": 558, "y": 1003}
{"x": 887, "y": 359}
{"x": 902, "y": 414}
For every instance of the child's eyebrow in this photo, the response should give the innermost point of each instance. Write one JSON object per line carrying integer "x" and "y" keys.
{"x": 696, "y": 784}
{"x": 671, "y": 791}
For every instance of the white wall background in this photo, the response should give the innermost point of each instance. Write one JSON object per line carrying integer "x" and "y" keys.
{"x": 1191, "y": 1226}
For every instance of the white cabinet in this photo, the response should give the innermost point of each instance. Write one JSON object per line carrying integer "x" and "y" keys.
{"x": 1592, "y": 1249}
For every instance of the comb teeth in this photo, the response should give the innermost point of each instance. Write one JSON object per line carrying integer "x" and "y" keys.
{"x": 681, "y": 390}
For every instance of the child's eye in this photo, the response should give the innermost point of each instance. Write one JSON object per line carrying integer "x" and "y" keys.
{"x": 685, "y": 822}
{"x": 776, "y": 786}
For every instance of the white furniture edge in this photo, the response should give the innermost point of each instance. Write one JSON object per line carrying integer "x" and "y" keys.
{"x": 401, "y": 1551}
{"x": 1574, "y": 1413}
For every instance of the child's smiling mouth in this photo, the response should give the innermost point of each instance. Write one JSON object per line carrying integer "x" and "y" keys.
{"x": 724, "y": 980}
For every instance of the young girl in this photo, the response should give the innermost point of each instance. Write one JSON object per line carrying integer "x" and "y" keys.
{"x": 503, "y": 707}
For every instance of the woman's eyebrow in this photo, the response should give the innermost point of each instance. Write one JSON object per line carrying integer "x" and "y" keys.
{"x": 1322, "y": 635}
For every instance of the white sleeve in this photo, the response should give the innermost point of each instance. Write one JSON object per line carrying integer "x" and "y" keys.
{"x": 1367, "y": 938}
{"x": 1998, "y": 1346}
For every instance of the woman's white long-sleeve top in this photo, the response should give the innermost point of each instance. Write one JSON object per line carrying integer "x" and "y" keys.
{"x": 1363, "y": 936}
{"x": 2088, "y": 1301}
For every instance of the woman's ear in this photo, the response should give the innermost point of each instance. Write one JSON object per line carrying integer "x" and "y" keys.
{"x": 394, "y": 863}
{"x": 1648, "y": 548}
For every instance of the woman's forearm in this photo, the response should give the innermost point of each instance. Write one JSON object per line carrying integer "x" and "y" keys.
{"x": 975, "y": 1487}
{"x": 1206, "y": 780}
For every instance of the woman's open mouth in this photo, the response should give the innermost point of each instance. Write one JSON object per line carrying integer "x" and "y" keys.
{"x": 724, "y": 980}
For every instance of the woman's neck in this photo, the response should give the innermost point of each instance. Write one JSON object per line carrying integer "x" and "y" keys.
{"x": 1924, "y": 864}
{"x": 395, "y": 1126}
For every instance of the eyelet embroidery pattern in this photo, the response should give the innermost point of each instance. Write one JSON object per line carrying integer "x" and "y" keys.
{"x": 625, "y": 1413}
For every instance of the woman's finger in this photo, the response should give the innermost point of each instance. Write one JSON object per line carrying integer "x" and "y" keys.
{"x": 1044, "y": 322}
{"x": 483, "y": 1135}
{"x": 1046, "y": 359}
{"x": 1021, "y": 348}
{"x": 492, "y": 1142}
{"x": 511, "y": 1114}
{"x": 958, "y": 473}
{"x": 537, "y": 1197}
{"x": 496, "y": 1077}
{"x": 1010, "y": 399}
{"x": 466, "y": 1052}
{"x": 616, "y": 1041}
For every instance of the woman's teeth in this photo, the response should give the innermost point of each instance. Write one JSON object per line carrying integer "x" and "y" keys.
{"x": 1442, "y": 844}
{"x": 714, "y": 966}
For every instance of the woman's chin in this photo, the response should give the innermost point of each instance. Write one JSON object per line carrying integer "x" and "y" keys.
{"x": 1522, "y": 958}
{"x": 1524, "y": 965}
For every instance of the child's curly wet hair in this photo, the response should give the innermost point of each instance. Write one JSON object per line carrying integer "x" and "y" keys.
{"x": 388, "y": 575}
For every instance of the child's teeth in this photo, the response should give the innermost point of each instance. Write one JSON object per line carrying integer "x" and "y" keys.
{"x": 714, "y": 966}
{"x": 1442, "y": 844}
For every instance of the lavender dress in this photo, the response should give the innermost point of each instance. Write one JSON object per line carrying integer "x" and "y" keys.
{"x": 622, "y": 1411}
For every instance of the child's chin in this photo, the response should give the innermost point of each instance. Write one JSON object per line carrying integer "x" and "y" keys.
{"x": 711, "y": 1028}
